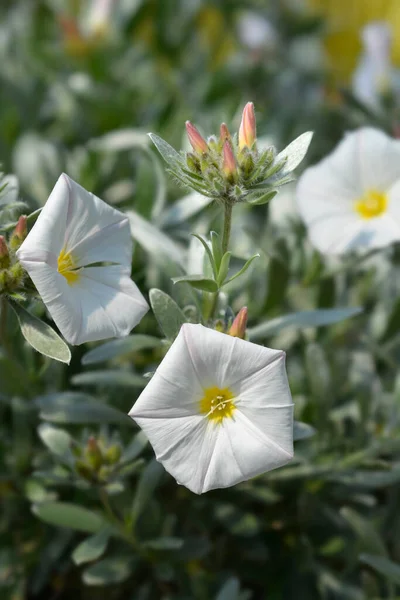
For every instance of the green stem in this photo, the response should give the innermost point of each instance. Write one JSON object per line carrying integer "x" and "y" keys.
{"x": 118, "y": 524}
{"x": 3, "y": 322}
{"x": 227, "y": 226}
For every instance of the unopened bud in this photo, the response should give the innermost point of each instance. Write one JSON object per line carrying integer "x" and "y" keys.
{"x": 197, "y": 141}
{"x": 238, "y": 327}
{"x": 4, "y": 255}
{"x": 113, "y": 454}
{"x": 224, "y": 133}
{"x": 19, "y": 233}
{"x": 20, "y": 230}
{"x": 247, "y": 129}
{"x": 93, "y": 453}
{"x": 192, "y": 162}
{"x": 229, "y": 162}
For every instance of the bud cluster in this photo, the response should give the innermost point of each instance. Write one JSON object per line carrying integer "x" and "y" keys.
{"x": 229, "y": 168}
{"x": 11, "y": 272}
{"x": 97, "y": 459}
{"x": 234, "y": 326}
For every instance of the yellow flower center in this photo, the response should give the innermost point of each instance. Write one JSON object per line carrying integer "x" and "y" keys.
{"x": 371, "y": 205}
{"x": 217, "y": 404}
{"x": 67, "y": 267}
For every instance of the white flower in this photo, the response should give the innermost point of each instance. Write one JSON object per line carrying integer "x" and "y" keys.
{"x": 218, "y": 410}
{"x": 374, "y": 74}
{"x": 74, "y": 232}
{"x": 351, "y": 199}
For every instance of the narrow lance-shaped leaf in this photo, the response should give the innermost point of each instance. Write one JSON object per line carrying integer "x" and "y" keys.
{"x": 243, "y": 269}
{"x": 92, "y": 548}
{"x": 224, "y": 268}
{"x": 169, "y": 154}
{"x": 41, "y": 336}
{"x": 73, "y": 516}
{"x": 383, "y": 566}
{"x": 295, "y": 151}
{"x": 199, "y": 282}
{"x": 208, "y": 252}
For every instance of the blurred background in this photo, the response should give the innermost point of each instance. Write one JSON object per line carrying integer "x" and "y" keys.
{"x": 81, "y": 84}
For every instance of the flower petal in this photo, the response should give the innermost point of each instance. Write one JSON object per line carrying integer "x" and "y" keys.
{"x": 46, "y": 238}
{"x": 110, "y": 303}
{"x": 221, "y": 360}
{"x": 95, "y": 231}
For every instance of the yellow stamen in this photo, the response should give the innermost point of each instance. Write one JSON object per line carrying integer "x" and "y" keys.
{"x": 67, "y": 267}
{"x": 217, "y": 404}
{"x": 372, "y": 204}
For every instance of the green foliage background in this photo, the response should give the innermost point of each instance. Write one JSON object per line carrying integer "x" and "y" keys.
{"x": 86, "y": 512}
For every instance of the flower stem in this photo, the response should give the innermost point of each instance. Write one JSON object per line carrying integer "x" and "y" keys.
{"x": 3, "y": 322}
{"x": 227, "y": 226}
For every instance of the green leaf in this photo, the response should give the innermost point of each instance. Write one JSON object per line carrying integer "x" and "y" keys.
{"x": 164, "y": 543}
{"x": 199, "y": 282}
{"x": 112, "y": 378}
{"x": 184, "y": 208}
{"x": 57, "y": 440}
{"x": 208, "y": 252}
{"x": 92, "y": 548}
{"x": 230, "y": 590}
{"x": 41, "y": 336}
{"x": 148, "y": 482}
{"x": 216, "y": 248}
{"x": 168, "y": 314}
{"x": 135, "y": 447}
{"x": 308, "y": 318}
{"x": 302, "y": 431}
{"x": 120, "y": 140}
{"x": 267, "y": 197}
{"x": 169, "y": 154}
{"x": 224, "y": 268}
{"x": 120, "y": 347}
{"x": 154, "y": 241}
{"x": 383, "y": 566}
{"x": 295, "y": 152}
{"x": 74, "y": 407}
{"x": 368, "y": 538}
{"x": 73, "y": 516}
{"x": 109, "y": 571}
{"x": 243, "y": 269}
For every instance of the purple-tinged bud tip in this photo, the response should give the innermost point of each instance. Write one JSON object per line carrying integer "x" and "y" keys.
{"x": 197, "y": 141}
{"x": 224, "y": 133}
{"x": 247, "y": 129}
{"x": 3, "y": 247}
{"x": 20, "y": 230}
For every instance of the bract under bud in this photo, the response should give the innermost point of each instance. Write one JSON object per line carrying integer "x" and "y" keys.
{"x": 197, "y": 141}
{"x": 229, "y": 162}
{"x": 238, "y": 327}
{"x": 247, "y": 129}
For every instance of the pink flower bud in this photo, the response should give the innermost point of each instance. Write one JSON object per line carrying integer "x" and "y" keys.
{"x": 3, "y": 247}
{"x": 20, "y": 230}
{"x": 238, "y": 327}
{"x": 229, "y": 162}
{"x": 199, "y": 144}
{"x": 247, "y": 129}
{"x": 224, "y": 133}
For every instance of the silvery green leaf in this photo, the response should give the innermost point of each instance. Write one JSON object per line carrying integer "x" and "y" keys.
{"x": 383, "y": 566}
{"x": 109, "y": 571}
{"x": 302, "y": 431}
{"x": 155, "y": 241}
{"x": 41, "y": 336}
{"x": 243, "y": 269}
{"x": 295, "y": 151}
{"x": 92, "y": 548}
{"x": 73, "y": 516}
{"x": 169, "y": 154}
{"x": 184, "y": 208}
{"x": 148, "y": 482}
{"x": 111, "y": 378}
{"x": 199, "y": 282}
{"x": 75, "y": 407}
{"x": 224, "y": 268}
{"x": 163, "y": 543}
{"x": 120, "y": 347}
{"x": 230, "y": 590}
{"x": 119, "y": 140}
{"x": 308, "y": 318}
{"x": 168, "y": 314}
{"x": 267, "y": 197}
{"x": 57, "y": 440}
